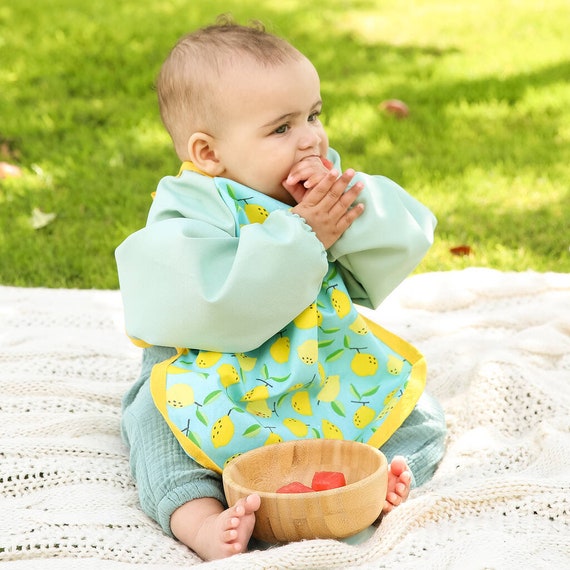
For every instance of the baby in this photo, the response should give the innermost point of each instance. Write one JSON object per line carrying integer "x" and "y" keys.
{"x": 241, "y": 291}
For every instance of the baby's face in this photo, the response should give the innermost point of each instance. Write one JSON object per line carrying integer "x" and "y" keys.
{"x": 269, "y": 122}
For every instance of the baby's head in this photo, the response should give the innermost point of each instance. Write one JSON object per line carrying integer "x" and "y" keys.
{"x": 190, "y": 79}
{"x": 241, "y": 103}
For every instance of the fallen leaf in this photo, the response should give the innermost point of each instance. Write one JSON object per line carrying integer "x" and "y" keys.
{"x": 8, "y": 170}
{"x": 40, "y": 219}
{"x": 395, "y": 107}
{"x": 461, "y": 250}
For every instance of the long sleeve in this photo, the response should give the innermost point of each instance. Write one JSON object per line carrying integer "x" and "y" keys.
{"x": 386, "y": 243}
{"x": 188, "y": 281}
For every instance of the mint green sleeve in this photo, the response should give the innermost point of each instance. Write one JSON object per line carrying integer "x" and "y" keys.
{"x": 192, "y": 283}
{"x": 386, "y": 243}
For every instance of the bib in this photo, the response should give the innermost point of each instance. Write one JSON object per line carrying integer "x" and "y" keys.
{"x": 330, "y": 373}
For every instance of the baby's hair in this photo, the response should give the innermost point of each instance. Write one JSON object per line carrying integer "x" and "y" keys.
{"x": 187, "y": 80}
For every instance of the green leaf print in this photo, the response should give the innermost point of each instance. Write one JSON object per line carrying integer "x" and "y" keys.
{"x": 201, "y": 417}
{"x": 334, "y": 355}
{"x": 211, "y": 397}
{"x": 281, "y": 399}
{"x": 325, "y": 343}
{"x": 252, "y": 430}
{"x": 338, "y": 408}
{"x": 355, "y": 392}
{"x": 231, "y": 192}
{"x": 346, "y": 341}
{"x": 316, "y": 433}
{"x": 194, "y": 438}
{"x": 280, "y": 378}
{"x": 371, "y": 392}
{"x": 330, "y": 331}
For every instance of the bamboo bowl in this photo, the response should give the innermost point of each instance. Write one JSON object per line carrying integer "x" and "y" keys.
{"x": 335, "y": 513}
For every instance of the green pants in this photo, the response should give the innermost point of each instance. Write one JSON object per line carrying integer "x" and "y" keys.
{"x": 167, "y": 478}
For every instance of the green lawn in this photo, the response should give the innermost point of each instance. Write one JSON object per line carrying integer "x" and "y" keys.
{"x": 486, "y": 144}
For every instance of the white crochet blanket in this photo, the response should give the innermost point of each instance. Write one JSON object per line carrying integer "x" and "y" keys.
{"x": 498, "y": 351}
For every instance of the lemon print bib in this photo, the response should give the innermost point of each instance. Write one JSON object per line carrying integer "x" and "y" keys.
{"x": 330, "y": 373}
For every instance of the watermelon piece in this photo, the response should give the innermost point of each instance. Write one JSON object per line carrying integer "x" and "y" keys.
{"x": 294, "y": 487}
{"x": 325, "y": 480}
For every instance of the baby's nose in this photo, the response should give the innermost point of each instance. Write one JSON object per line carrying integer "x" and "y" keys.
{"x": 309, "y": 138}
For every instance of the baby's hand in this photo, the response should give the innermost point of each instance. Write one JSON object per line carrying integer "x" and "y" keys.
{"x": 305, "y": 175}
{"x": 327, "y": 208}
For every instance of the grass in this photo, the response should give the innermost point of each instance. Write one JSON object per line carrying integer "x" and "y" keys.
{"x": 486, "y": 145}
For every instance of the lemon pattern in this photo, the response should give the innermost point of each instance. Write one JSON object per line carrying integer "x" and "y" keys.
{"x": 325, "y": 375}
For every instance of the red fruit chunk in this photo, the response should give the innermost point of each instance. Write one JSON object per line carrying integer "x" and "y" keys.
{"x": 324, "y": 480}
{"x": 294, "y": 487}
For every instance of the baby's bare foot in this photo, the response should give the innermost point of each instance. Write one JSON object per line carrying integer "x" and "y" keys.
{"x": 399, "y": 482}
{"x": 217, "y": 534}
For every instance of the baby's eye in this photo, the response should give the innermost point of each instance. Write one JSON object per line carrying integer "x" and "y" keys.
{"x": 281, "y": 130}
{"x": 314, "y": 116}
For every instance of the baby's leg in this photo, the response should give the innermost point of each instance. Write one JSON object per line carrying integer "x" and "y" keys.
{"x": 166, "y": 477}
{"x": 212, "y": 531}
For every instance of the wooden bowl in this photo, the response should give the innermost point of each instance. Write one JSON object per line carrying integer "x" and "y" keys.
{"x": 334, "y": 513}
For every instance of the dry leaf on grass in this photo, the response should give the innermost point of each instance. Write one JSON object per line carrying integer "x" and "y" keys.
{"x": 41, "y": 219}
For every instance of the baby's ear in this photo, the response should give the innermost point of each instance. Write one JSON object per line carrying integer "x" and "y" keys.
{"x": 202, "y": 152}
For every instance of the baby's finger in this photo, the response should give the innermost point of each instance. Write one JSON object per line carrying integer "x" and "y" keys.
{"x": 322, "y": 190}
{"x": 348, "y": 198}
{"x": 348, "y": 218}
{"x": 338, "y": 194}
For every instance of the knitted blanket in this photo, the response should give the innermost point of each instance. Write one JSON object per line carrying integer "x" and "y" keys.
{"x": 498, "y": 352}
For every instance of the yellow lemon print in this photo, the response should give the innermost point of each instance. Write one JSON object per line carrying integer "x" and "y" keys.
{"x": 180, "y": 396}
{"x": 322, "y": 374}
{"x": 364, "y": 364}
{"x": 330, "y": 390}
{"x": 385, "y": 411}
{"x": 389, "y": 397}
{"x": 206, "y": 359}
{"x": 256, "y": 394}
{"x": 231, "y": 457}
{"x": 359, "y": 325}
{"x": 301, "y": 403}
{"x": 330, "y": 431}
{"x": 173, "y": 369}
{"x": 296, "y": 427}
{"x": 308, "y": 352}
{"x": 308, "y": 319}
{"x": 280, "y": 350}
{"x": 228, "y": 375}
{"x": 340, "y": 303}
{"x": 363, "y": 416}
{"x": 222, "y": 431}
{"x": 255, "y": 213}
{"x": 259, "y": 408}
{"x": 247, "y": 363}
{"x": 394, "y": 365}
{"x": 273, "y": 438}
